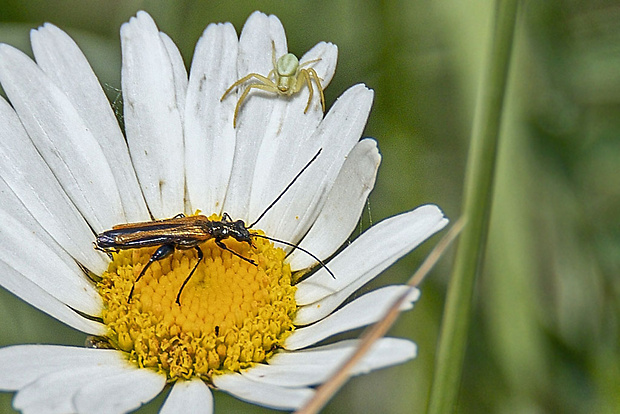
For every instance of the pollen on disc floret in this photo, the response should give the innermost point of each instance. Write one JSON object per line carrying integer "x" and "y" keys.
{"x": 232, "y": 314}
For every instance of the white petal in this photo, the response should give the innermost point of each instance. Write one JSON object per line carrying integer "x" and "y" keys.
{"x": 386, "y": 352}
{"x": 24, "y": 364}
{"x": 20, "y": 286}
{"x": 363, "y": 311}
{"x": 61, "y": 59}
{"x": 87, "y": 388}
{"x": 314, "y": 366}
{"x": 325, "y": 354}
{"x": 62, "y": 138}
{"x": 379, "y": 299}
{"x": 152, "y": 116}
{"x": 30, "y": 256}
{"x": 337, "y": 134}
{"x": 130, "y": 388}
{"x": 13, "y": 211}
{"x": 54, "y": 393}
{"x": 25, "y": 172}
{"x": 179, "y": 73}
{"x": 188, "y": 397}
{"x": 209, "y": 133}
{"x": 262, "y": 394}
{"x": 255, "y": 56}
{"x": 11, "y": 205}
{"x": 370, "y": 254}
{"x": 343, "y": 206}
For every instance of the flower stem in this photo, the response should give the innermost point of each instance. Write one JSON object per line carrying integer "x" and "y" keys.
{"x": 477, "y": 211}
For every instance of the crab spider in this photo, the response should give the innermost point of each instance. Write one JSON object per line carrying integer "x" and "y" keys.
{"x": 286, "y": 78}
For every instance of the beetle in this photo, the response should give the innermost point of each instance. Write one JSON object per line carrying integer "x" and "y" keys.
{"x": 286, "y": 78}
{"x": 183, "y": 232}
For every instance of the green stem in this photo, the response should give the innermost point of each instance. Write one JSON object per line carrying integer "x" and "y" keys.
{"x": 477, "y": 211}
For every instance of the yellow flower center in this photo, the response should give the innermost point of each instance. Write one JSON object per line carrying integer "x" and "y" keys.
{"x": 232, "y": 314}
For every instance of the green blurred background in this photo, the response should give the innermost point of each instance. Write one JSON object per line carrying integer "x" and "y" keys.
{"x": 545, "y": 332}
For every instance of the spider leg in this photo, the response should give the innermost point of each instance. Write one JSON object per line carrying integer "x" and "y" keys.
{"x": 267, "y": 85}
{"x": 304, "y": 78}
{"x": 273, "y": 55}
{"x": 312, "y": 74}
{"x": 239, "y": 82}
{"x": 309, "y": 62}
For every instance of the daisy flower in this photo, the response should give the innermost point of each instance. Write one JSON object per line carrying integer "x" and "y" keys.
{"x": 250, "y": 317}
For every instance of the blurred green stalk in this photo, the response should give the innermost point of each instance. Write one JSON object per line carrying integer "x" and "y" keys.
{"x": 479, "y": 179}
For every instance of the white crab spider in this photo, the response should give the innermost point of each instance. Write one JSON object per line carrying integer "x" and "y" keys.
{"x": 286, "y": 78}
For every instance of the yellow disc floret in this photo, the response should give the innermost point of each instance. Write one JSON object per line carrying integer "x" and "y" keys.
{"x": 231, "y": 316}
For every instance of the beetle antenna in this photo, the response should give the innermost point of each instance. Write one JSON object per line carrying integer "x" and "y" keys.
{"x": 285, "y": 190}
{"x": 297, "y": 247}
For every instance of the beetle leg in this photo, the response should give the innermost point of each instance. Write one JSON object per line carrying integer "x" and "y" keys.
{"x": 222, "y": 246}
{"x": 200, "y": 257}
{"x": 162, "y": 252}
